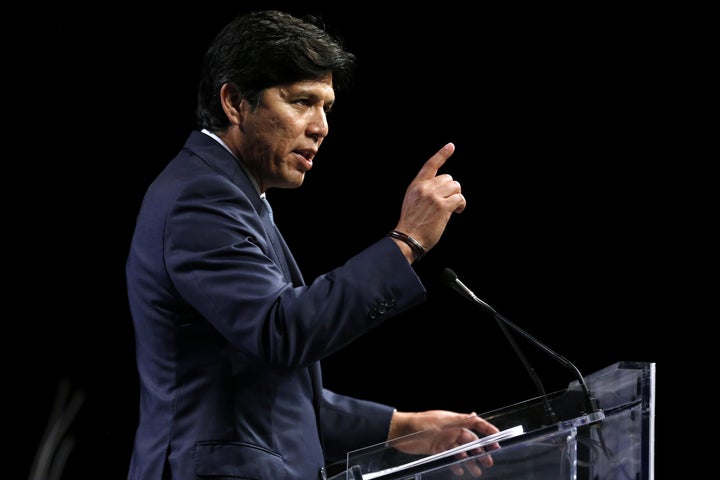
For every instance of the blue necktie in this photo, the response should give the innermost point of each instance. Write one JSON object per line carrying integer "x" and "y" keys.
{"x": 269, "y": 208}
{"x": 275, "y": 239}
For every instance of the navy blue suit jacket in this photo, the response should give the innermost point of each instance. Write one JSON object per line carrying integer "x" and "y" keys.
{"x": 229, "y": 337}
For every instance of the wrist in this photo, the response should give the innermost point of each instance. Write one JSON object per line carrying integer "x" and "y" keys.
{"x": 417, "y": 248}
{"x": 397, "y": 425}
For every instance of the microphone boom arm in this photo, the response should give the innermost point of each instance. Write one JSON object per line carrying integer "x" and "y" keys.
{"x": 452, "y": 280}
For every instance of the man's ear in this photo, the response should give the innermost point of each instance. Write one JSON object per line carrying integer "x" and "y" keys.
{"x": 231, "y": 102}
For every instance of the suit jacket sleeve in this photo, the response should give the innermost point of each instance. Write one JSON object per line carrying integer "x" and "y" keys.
{"x": 350, "y": 423}
{"x": 219, "y": 258}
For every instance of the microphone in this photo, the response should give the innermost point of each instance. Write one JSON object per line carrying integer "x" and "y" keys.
{"x": 451, "y": 280}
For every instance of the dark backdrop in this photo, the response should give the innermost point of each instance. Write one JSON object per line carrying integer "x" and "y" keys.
{"x": 577, "y": 135}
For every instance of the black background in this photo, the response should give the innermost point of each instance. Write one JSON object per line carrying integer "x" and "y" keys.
{"x": 581, "y": 140}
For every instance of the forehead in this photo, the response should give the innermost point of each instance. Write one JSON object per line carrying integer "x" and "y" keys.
{"x": 319, "y": 86}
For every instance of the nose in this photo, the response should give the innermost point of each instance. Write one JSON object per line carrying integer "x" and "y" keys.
{"x": 318, "y": 127}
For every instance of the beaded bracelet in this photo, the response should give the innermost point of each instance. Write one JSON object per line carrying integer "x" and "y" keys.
{"x": 417, "y": 249}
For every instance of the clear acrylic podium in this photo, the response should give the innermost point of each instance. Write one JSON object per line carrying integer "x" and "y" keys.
{"x": 551, "y": 437}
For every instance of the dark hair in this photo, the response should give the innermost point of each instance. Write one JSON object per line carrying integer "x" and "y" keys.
{"x": 263, "y": 49}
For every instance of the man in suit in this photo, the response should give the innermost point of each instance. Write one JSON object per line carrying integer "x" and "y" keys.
{"x": 229, "y": 336}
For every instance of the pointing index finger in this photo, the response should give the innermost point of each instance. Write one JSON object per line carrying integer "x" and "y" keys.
{"x": 431, "y": 167}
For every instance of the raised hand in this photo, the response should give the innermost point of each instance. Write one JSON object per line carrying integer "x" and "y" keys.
{"x": 430, "y": 200}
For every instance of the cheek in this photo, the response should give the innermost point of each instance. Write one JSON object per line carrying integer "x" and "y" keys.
{"x": 276, "y": 122}
{"x": 269, "y": 130}
{"x": 279, "y": 130}
{"x": 287, "y": 124}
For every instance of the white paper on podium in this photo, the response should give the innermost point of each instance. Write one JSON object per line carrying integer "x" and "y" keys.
{"x": 495, "y": 437}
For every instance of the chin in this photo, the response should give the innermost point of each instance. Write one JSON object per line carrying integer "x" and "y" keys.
{"x": 297, "y": 181}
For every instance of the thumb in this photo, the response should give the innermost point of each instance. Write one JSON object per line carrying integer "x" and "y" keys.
{"x": 431, "y": 167}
